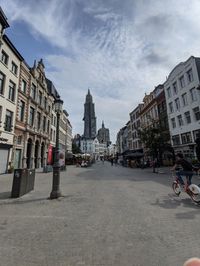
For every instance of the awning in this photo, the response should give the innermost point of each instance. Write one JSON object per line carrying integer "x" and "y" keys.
{"x": 69, "y": 155}
{"x": 135, "y": 155}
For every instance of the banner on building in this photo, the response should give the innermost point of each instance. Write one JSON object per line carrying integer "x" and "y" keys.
{"x": 50, "y": 155}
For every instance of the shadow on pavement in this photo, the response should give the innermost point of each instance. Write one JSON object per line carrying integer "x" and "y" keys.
{"x": 173, "y": 202}
{"x": 5, "y": 195}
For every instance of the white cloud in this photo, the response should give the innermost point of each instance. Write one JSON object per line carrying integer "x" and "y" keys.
{"x": 120, "y": 49}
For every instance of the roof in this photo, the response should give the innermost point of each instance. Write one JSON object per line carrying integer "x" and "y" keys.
{"x": 51, "y": 88}
{"x": 12, "y": 47}
{"x": 3, "y": 19}
{"x": 65, "y": 112}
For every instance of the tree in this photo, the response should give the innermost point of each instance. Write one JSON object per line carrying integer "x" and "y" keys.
{"x": 156, "y": 140}
{"x": 75, "y": 149}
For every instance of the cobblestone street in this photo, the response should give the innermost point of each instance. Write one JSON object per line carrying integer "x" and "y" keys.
{"x": 107, "y": 216}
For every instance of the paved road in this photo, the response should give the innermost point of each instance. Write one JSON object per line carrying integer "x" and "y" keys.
{"x": 108, "y": 216}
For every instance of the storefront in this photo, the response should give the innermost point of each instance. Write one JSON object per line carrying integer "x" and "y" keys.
{"x": 4, "y": 155}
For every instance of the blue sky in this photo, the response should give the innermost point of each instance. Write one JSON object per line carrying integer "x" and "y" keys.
{"x": 118, "y": 49}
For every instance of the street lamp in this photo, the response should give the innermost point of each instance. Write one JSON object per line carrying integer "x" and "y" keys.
{"x": 55, "y": 193}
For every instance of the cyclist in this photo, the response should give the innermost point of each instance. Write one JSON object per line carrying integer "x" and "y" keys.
{"x": 187, "y": 169}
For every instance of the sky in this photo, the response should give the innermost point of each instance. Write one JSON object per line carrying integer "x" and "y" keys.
{"x": 120, "y": 50}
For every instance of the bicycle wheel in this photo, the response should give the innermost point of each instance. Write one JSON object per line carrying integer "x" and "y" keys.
{"x": 194, "y": 193}
{"x": 176, "y": 188}
{"x": 195, "y": 197}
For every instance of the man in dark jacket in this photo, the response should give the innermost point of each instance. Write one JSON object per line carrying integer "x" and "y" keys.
{"x": 187, "y": 169}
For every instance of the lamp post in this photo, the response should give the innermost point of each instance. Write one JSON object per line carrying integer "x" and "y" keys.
{"x": 56, "y": 193}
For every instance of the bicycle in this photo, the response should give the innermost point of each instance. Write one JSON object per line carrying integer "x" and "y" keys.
{"x": 192, "y": 190}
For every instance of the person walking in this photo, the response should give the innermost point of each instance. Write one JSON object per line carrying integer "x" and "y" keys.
{"x": 111, "y": 161}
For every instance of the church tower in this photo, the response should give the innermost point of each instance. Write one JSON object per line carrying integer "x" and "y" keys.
{"x": 89, "y": 118}
{"x": 104, "y": 135}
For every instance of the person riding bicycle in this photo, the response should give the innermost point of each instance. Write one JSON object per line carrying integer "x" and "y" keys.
{"x": 187, "y": 169}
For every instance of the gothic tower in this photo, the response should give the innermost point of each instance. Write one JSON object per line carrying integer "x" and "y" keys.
{"x": 104, "y": 135}
{"x": 89, "y": 118}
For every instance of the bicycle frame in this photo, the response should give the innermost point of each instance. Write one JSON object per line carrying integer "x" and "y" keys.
{"x": 192, "y": 190}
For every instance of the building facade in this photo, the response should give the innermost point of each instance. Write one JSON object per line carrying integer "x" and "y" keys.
{"x": 183, "y": 105}
{"x": 135, "y": 127}
{"x": 38, "y": 126}
{"x": 22, "y": 112}
{"x": 27, "y": 111}
{"x": 10, "y": 60}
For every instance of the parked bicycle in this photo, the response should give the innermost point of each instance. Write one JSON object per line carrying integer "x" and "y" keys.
{"x": 192, "y": 190}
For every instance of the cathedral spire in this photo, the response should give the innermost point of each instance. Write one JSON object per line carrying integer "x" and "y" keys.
{"x": 89, "y": 117}
{"x": 103, "y": 124}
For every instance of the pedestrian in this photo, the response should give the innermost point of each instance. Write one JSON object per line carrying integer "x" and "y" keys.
{"x": 111, "y": 160}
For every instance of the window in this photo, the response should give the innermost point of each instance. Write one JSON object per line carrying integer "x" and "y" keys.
{"x": 186, "y": 138}
{"x": 21, "y": 110}
{"x": 190, "y": 76}
{"x": 48, "y": 126}
{"x": 4, "y": 57}
{"x": 175, "y": 90}
{"x": 176, "y": 140}
{"x": 187, "y": 117}
{"x": 19, "y": 140}
{"x": 11, "y": 93}
{"x": 14, "y": 68}
{"x": 33, "y": 91}
{"x": 31, "y": 116}
{"x": 182, "y": 81}
{"x": 23, "y": 86}
{"x": 184, "y": 99}
{"x": 2, "y": 83}
{"x": 193, "y": 94}
{"x": 173, "y": 121}
{"x": 45, "y": 103}
{"x": 196, "y": 134}
{"x": 177, "y": 103}
{"x": 40, "y": 98}
{"x": 196, "y": 113}
{"x": 180, "y": 120}
{"x": 169, "y": 92}
{"x": 51, "y": 134}
{"x": 171, "y": 109}
{"x": 8, "y": 121}
{"x": 44, "y": 123}
{"x": 38, "y": 120}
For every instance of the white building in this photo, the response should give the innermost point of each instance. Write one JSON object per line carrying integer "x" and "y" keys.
{"x": 69, "y": 137}
{"x": 10, "y": 60}
{"x": 112, "y": 150}
{"x": 93, "y": 147}
{"x": 183, "y": 105}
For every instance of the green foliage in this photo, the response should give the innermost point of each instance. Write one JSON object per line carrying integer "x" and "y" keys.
{"x": 75, "y": 149}
{"x": 155, "y": 139}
